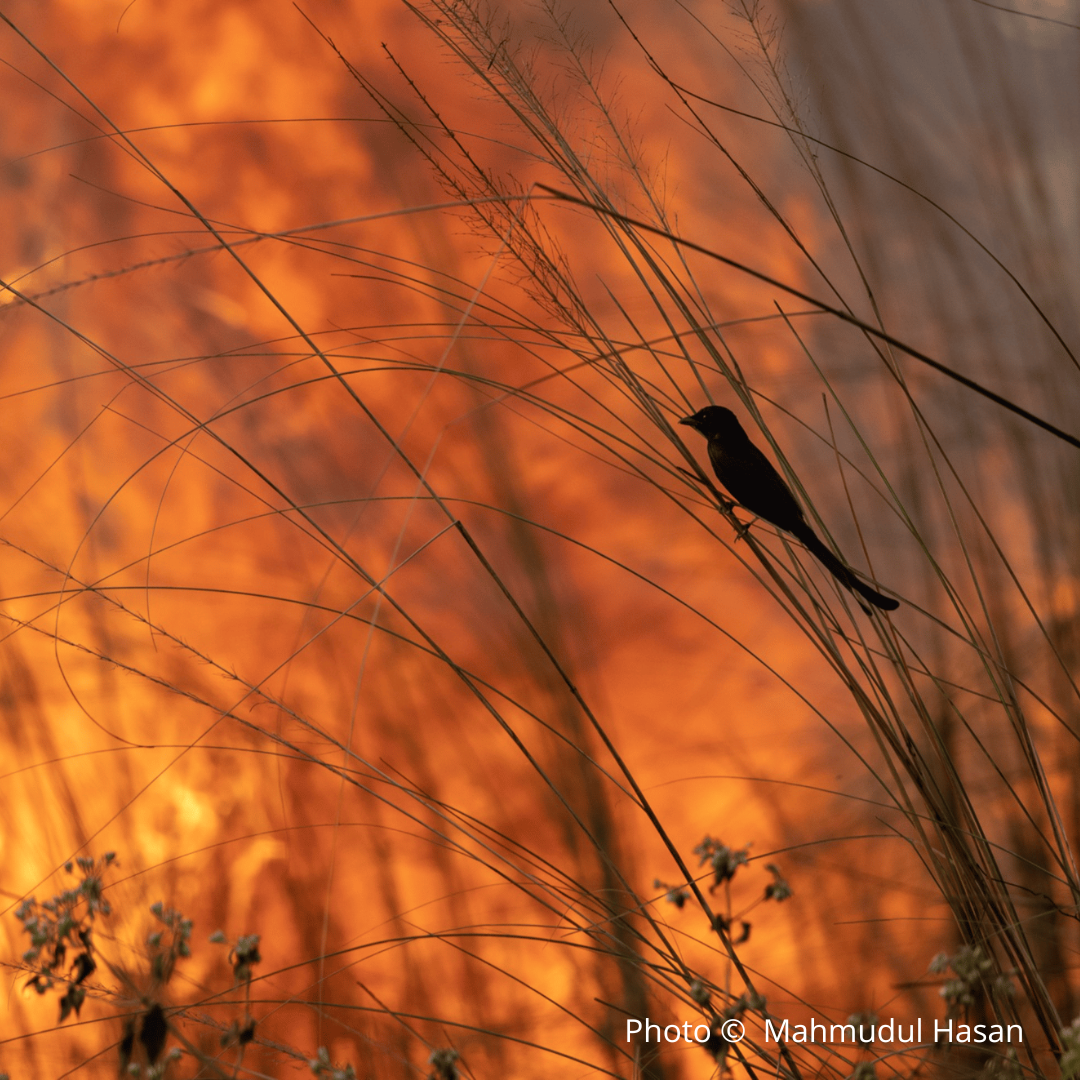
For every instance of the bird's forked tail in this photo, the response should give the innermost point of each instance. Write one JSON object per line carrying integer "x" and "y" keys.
{"x": 845, "y": 575}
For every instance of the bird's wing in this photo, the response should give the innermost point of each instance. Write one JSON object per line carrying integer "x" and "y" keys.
{"x": 751, "y": 481}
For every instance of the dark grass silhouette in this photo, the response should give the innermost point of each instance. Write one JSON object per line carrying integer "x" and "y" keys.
{"x": 485, "y": 870}
{"x": 751, "y": 480}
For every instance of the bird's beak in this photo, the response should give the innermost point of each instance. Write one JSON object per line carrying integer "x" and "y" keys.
{"x": 688, "y": 421}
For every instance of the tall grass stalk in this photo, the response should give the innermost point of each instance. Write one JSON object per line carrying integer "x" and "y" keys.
{"x": 365, "y": 595}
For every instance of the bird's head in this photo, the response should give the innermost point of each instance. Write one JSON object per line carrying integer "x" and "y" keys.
{"x": 714, "y": 421}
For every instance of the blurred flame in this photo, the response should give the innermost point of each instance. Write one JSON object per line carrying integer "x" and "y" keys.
{"x": 190, "y": 674}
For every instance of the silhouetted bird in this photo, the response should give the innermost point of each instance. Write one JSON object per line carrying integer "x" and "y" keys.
{"x": 753, "y": 483}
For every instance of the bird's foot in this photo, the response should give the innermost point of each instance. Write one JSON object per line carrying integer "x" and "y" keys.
{"x": 700, "y": 478}
{"x": 742, "y": 531}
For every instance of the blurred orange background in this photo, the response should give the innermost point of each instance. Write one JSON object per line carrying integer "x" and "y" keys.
{"x": 318, "y": 509}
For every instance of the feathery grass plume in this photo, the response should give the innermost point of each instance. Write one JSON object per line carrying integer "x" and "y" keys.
{"x": 360, "y": 584}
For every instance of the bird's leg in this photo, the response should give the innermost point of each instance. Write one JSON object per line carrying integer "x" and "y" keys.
{"x": 717, "y": 494}
{"x": 742, "y": 531}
